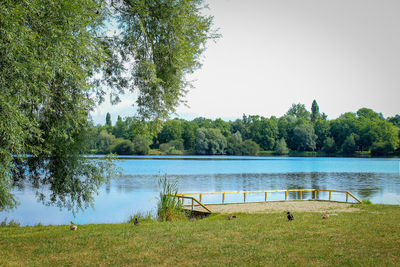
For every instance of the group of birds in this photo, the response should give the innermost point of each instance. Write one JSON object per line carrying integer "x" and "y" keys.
{"x": 291, "y": 216}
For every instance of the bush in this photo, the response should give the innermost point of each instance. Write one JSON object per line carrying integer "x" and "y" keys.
{"x": 165, "y": 147}
{"x": 177, "y": 144}
{"x": 249, "y": 147}
{"x": 381, "y": 148}
{"x": 155, "y": 152}
{"x": 123, "y": 147}
{"x": 173, "y": 151}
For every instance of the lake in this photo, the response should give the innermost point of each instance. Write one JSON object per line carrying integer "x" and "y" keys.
{"x": 375, "y": 179}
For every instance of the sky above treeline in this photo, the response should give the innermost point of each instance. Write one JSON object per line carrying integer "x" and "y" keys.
{"x": 273, "y": 53}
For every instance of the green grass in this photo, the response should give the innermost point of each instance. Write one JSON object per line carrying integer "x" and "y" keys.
{"x": 370, "y": 237}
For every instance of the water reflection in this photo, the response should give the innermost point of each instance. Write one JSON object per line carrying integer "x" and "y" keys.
{"x": 134, "y": 193}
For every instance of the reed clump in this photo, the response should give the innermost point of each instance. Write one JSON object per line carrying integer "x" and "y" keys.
{"x": 168, "y": 208}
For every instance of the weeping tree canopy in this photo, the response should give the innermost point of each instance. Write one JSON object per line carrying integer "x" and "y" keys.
{"x": 57, "y": 62}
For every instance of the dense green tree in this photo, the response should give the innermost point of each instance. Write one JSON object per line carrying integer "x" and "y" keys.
{"x": 286, "y": 125}
{"x": 223, "y": 126}
{"x": 342, "y": 127}
{"x": 329, "y": 146}
{"x": 234, "y": 144}
{"x": 210, "y": 141}
{"x": 315, "y": 115}
{"x": 349, "y": 146}
{"x": 263, "y": 131}
{"x": 189, "y": 135}
{"x": 373, "y": 129}
{"x": 108, "y": 120}
{"x": 386, "y": 132}
{"x": 368, "y": 113}
{"x": 120, "y": 130}
{"x": 381, "y": 148}
{"x": 322, "y": 130}
{"x": 281, "y": 147}
{"x": 137, "y": 128}
{"x": 239, "y": 126}
{"x": 203, "y": 122}
{"x": 104, "y": 142}
{"x": 172, "y": 130}
{"x": 141, "y": 145}
{"x": 50, "y": 54}
{"x": 395, "y": 120}
{"x": 304, "y": 137}
{"x": 299, "y": 111}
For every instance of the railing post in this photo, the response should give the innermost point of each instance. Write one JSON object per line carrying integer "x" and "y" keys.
{"x": 244, "y": 197}
{"x": 223, "y": 197}
{"x": 347, "y": 196}
{"x": 330, "y": 195}
{"x": 200, "y": 196}
{"x": 315, "y": 194}
{"x": 285, "y": 195}
{"x": 192, "y": 203}
{"x": 301, "y": 195}
{"x": 266, "y": 196}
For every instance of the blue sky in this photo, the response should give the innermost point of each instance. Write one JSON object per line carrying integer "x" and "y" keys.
{"x": 343, "y": 53}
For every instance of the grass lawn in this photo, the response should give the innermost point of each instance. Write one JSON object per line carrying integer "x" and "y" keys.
{"x": 369, "y": 237}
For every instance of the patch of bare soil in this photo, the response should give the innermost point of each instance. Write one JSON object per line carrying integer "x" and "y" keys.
{"x": 279, "y": 206}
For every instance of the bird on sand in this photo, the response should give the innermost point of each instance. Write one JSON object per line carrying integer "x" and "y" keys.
{"x": 73, "y": 227}
{"x": 325, "y": 216}
{"x": 290, "y": 216}
{"x": 136, "y": 222}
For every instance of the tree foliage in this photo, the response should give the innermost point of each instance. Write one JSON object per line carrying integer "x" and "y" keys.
{"x": 164, "y": 39}
{"x": 349, "y": 145}
{"x": 299, "y": 134}
{"x": 329, "y": 146}
{"x": 210, "y": 142}
{"x": 315, "y": 115}
{"x": 304, "y": 137}
{"x": 281, "y": 147}
{"x": 56, "y": 60}
{"x": 299, "y": 111}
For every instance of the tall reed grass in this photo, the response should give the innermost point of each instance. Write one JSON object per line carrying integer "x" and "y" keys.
{"x": 168, "y": 209}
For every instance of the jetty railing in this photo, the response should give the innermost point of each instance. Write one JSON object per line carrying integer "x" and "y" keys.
{"x": 181, "y": 198}
{"x": 266, "y": 192}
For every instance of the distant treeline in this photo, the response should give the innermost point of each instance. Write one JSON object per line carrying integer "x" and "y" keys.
{"x": 299, "y": 130}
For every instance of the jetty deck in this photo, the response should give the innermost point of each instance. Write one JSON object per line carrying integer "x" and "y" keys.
{"x": 313, "y": 204}
{"x": 281, "y": 206}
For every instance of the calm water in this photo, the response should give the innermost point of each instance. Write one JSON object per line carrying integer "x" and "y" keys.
{"x": 136, "y": 191}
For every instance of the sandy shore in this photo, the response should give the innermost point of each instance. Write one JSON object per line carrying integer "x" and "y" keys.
{"x": 281, "y": 206}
